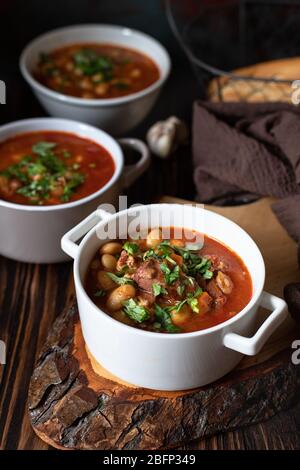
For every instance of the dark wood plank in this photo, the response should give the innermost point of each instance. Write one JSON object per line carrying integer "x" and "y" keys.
{"x": 30, "y": 298}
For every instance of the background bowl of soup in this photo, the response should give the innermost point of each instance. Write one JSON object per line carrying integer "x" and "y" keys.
{"x": 108, "y": 76}
{"x": 171, "y": 360}
{"x": 53, "y": 173}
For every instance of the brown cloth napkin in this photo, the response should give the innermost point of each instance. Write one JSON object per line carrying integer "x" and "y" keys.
{"x": 249, "y": 150}
{"x": 242, "y": 151}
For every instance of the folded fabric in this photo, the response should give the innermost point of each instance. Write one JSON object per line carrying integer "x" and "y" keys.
{"x": 245, "y": 150}
{"x": 242, "y": 151}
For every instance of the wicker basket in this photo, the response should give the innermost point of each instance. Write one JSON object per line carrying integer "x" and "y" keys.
{"x": 223, "y": 39}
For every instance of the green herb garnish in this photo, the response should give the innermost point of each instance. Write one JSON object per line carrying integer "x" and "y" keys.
{"x": 193, "y": 264}
{"x": 42, "y": 172}
{"x": 170, "y": 275}
{"x": 42, "y": 148}
{"x": 158, "y": 289}
{"x": 180, "y": 290}
{"x": 135, "y": 311}
{"x": 120, "y": 280}
{"x": 36, "y": 190}
{"x": 192, "y": 300}
{"x": 91, "y": 63}
{"x": 164, "y": 318}
{"x": 131, "y": 248}
{"x": 72, "y": 183}
{"x": 149, "y": 254}
{"x": 18, "y": 170}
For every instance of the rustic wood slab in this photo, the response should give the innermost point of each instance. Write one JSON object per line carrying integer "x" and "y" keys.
{"x": 75, "y": 404}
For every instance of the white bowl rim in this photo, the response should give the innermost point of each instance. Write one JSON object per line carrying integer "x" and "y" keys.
{"x": 27, "y": 74}
{"x": 171, "y": 336}
{"x": 60, "y": 122}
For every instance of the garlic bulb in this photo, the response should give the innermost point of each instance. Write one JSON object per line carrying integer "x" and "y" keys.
{"x": 165, "y": 136}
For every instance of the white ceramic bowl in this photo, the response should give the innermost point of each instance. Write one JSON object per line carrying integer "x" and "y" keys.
{"x": 32, "y": 233}
{"x": 116, "y": 115}
{"x": 172, "y": 361}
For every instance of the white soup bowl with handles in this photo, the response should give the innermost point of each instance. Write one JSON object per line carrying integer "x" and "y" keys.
{"x": 178, "y": 361}
{"x": 32, "y": 233}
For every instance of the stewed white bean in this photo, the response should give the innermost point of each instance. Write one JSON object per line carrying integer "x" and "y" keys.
{"x": 109, "y": 262}
{"x": 111, "y": 248}
{"x": 104, "y": 281}
{"x": 118, "y": 296}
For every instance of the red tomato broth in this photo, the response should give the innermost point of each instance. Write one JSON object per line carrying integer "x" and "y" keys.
{"x": 236, "y": 301}
{"x": 241, "y": 294}
{"x": 130, "y": 71}
{"x": 85, "y": 150}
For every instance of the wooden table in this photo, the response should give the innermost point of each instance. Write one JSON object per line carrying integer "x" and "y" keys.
{"x": 32, "y": 296}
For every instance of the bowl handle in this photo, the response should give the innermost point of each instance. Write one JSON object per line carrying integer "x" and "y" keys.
{"x": 251, "y": 346}
{"x": 70, "y": 239}
{"x": 133, "y": 172}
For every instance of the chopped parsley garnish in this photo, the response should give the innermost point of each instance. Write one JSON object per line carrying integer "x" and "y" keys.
{"x": 158, "y": 290}
{"x": 42, "y": 148}
{"x": 164, "y": 319}
{"x": 135, "y": 311}
{"x": 18, "y": 170}
{"x": 149, "y": 254}
{"x": 180, "y": 290}
{"x": 120, "y": 280}
{"x": 192, "y": 300}
{"x": 170, "y": 275}
{"x": 91, "y": 63}
{"x": 131, "y": 248}
{"x": 193, "y": 264}
{"x": 44, "y": 172}
{"x": 36, "y": 190}
{"x": 72, "y": 183}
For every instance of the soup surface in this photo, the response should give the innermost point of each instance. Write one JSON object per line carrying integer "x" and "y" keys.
{"x": 96, "y": 71}
{"x": 168, "y": 286}
{"x": 45, "y": 168}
